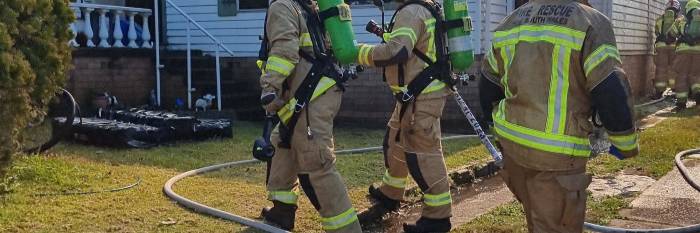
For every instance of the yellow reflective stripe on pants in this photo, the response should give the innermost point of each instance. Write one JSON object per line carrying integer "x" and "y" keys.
{"x": 558, "y": 90}
{"x": 279, "y": 65}
{"x": 365, "y": 54}
{"x": 599, "y": 56}
{"x": 557, "y": 35}
{"x": 339, "y": 221}
{"x": 286, "y": 112}
{"x": 695, "y": 88}
{"x": 625, "y": 143}
{"x": 393, "y": 181}
{"x": 562, "y": 144}
{"x": 683, "y": 47}
{"x": 287, "y": 197}
{"x": 660, "y": 85}
{"x": 434, "y": 86}
{"x": 402, "y": 31}
{"x": 437, "y": 200}
{"x": 305, "y": 40}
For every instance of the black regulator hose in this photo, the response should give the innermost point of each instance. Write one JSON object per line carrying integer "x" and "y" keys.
{"x": 689, "y": 229}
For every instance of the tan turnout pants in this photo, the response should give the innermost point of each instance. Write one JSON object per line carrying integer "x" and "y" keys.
{"x": 418, "y": 151}
{"x": 554, "y": 201}
{"x": 311, "y": 163}
{"x": 665, "y": 75}
{"x": 687, "y": 65}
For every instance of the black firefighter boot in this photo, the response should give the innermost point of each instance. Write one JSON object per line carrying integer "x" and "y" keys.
{"x": 425, "y": 225}
{"x": 680, "y": 105}
{"x": 386, "y": 202}
{"x": 280, "y": 214}
{"x": 382, "y": 206}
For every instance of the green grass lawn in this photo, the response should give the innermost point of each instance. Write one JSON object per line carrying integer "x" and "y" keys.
{"x": 71, "y": 167}
{"x": 659, "y": 145}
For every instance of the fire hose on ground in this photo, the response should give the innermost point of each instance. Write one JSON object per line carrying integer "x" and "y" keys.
{"x": 689, "y": 229}
{"x": 201, "y": 208}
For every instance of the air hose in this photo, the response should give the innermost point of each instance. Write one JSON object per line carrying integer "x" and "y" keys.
{"x": 689, "y": 229}
{"x": 75, "y": 193}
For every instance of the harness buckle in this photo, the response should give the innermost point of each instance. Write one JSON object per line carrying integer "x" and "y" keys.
{"x": 298, "y": 107}
{"x": 406, "y": 97}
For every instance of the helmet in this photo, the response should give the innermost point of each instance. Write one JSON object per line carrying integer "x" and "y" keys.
{"x": 673, "y": 4}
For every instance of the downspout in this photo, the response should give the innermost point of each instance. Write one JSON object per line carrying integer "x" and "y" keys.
{"x": 156, "y": 14}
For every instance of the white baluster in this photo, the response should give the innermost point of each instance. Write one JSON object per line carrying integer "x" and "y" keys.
{"x": 87, "y": 12}
{"x": 74, "y": 28}
{"x": 146, "y": 33}
{"x": 104, "y": 29}
{"x": 132, "y": 31}
{"x": 118, "y": 34}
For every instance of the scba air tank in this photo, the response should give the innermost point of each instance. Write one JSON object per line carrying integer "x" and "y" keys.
{"x": 459, "y": 39}
{"x": 339, "y": 26}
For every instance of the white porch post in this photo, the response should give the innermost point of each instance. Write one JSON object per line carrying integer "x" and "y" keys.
{"x": 118, "y": 33}
{"x": 146, "y": 34}
{"x": 87, "y": 12}
{"x": 104, "y": 29}
{"x": 132, "y": 31}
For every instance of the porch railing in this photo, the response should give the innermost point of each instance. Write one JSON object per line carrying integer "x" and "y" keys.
{"x": 109, "y": 26}
{"x": 218, "y": 45}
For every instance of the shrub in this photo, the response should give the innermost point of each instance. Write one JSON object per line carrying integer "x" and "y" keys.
{"x": 34, "y": 60}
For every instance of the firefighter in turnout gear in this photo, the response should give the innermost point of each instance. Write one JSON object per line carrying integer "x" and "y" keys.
{"x": 667, "y": 31}
{"x": 552, "y": 62}
{"x": 412, "y": 141}
{"x": 301, "y": 83}
{"x": 688, "y": 56}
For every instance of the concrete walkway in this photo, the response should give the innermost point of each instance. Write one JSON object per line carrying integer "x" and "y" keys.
{"x": 670, "y": 202}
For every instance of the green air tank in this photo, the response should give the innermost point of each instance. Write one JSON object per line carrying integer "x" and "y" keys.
{"x": 340, "y": 29}
{"x": 459, "y": 39}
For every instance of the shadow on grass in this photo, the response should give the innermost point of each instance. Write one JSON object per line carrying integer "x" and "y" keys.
{"x": 357, "y": 170}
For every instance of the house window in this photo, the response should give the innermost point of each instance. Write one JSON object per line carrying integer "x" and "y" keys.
{"x": 253, "y": 4}
{"x": 232, "y": 7}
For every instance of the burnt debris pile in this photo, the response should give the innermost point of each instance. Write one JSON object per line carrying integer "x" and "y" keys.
{"x": 137, "y": 128}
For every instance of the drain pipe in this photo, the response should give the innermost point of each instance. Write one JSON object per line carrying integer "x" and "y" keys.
{"x": 689, "y": 229}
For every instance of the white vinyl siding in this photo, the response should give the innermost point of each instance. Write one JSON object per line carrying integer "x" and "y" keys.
{"x": 633, "y": 22}
{"x": 241, "y": 33}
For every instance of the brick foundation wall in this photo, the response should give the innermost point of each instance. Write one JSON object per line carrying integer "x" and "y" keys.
{"x": 127, "y": 74}
{"x": 640, "y": 71}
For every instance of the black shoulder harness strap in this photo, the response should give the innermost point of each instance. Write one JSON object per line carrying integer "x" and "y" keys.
{"x": 438, "y": 69}
{"x": 322, "y": 66}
